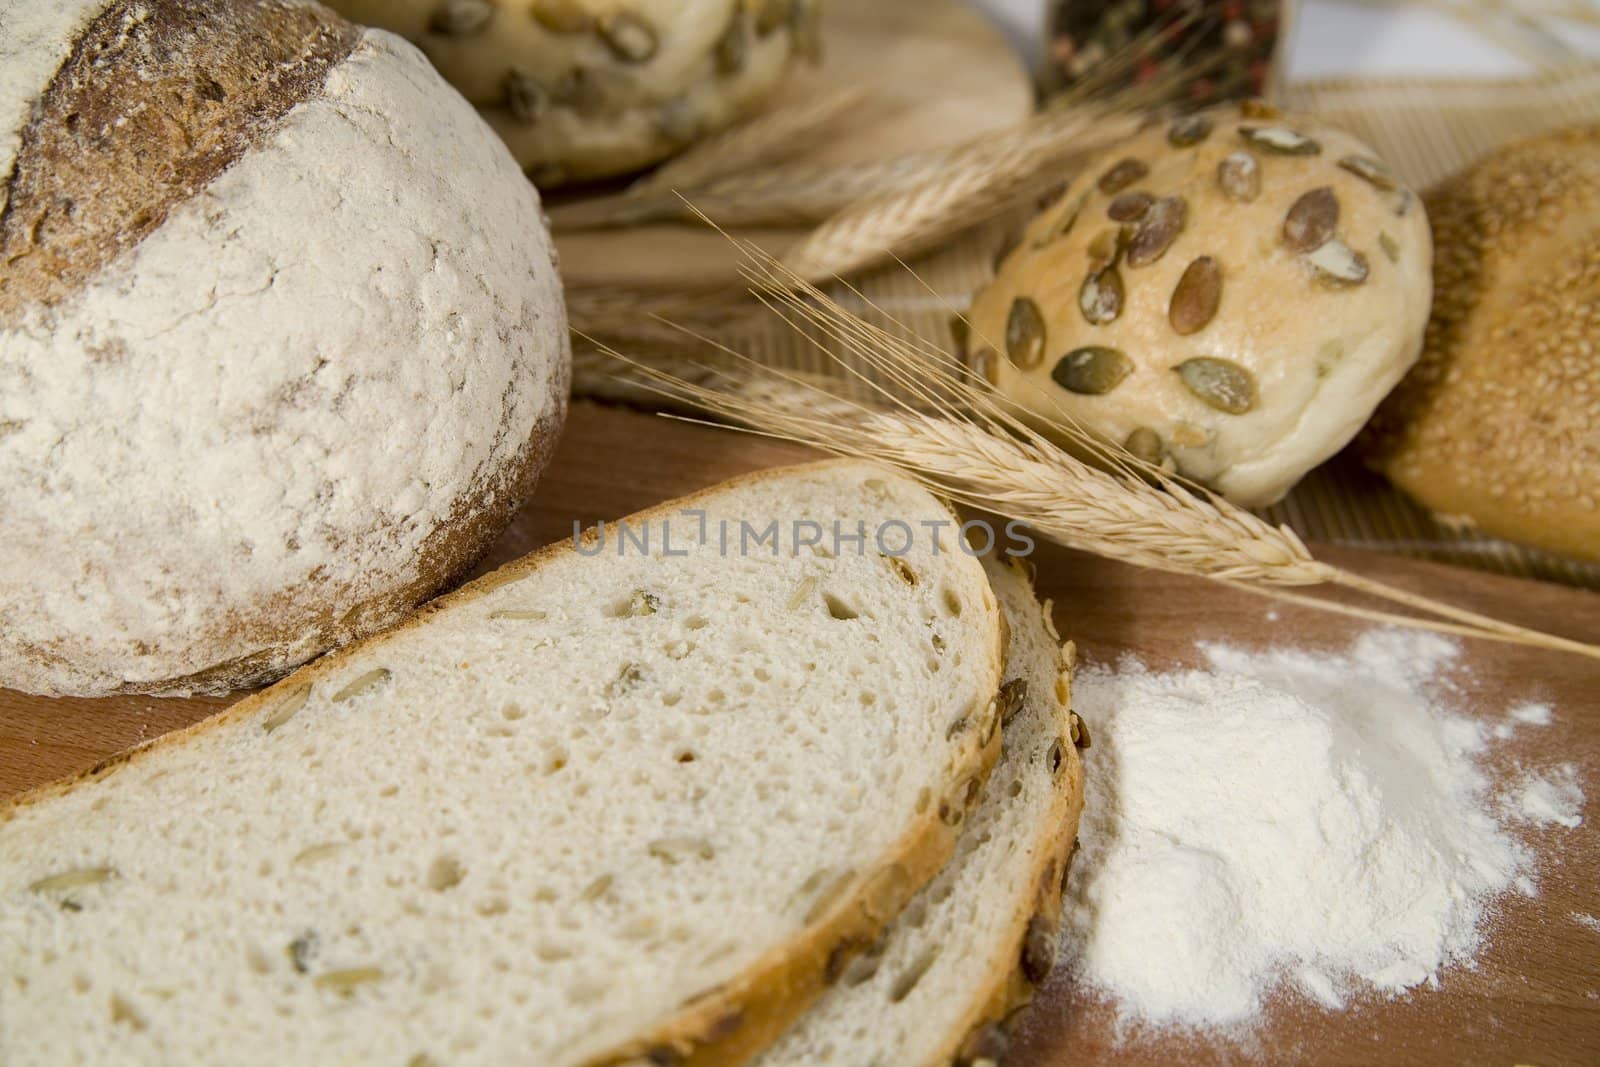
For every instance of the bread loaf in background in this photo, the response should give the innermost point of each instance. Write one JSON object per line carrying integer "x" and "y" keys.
{"x": 1229, "y": 295}
{"x": 584, "y": 89}
{"x": 282, "y": 342}
{"x": 1499, "y": 424}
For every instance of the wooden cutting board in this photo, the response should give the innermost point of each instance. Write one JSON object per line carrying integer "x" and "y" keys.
{"x": 1535, "y": 995}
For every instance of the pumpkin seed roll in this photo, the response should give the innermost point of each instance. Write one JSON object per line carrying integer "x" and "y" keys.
{"x": 588, "y": 89}
{"x": 1229, "y": 295}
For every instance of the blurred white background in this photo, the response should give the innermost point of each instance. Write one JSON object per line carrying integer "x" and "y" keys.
{"x": 1333, "y": 39}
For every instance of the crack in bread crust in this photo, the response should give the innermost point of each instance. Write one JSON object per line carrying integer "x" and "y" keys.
{"x": 157, "y": 98}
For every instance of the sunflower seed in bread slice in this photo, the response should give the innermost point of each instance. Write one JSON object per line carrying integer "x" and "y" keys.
{"x": 595, "y": 807}
{"x": 936, "y": 987}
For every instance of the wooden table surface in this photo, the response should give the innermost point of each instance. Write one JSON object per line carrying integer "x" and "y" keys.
{"x": 1534, "y": 997}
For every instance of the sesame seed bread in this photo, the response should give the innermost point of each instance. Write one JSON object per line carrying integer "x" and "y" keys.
{"x": 1228, "y": 295}
{"x": 253, "y": 255}
{"x": 1499, "y": 424}
{"x": 587, "y": 810}
{"x": 584, "y": 89}
{"x": 937, "y": 988}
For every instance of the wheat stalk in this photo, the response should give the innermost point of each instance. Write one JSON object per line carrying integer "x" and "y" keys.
{"x": 962, "y": 441}
{"x": 971, "y": 188}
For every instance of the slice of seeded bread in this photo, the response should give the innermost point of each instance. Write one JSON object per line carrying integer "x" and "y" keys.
{"x": 587, "y": 810}
{"x": 937, "y": 987}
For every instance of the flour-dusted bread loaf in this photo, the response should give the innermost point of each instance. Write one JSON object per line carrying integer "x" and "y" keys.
{"x": 599, "y": 805}
{"x": 1499, "y": 424}
{"x": 1229, "y": 295}
{"x": 939, "y": 985}
{"x": 585, "y": 89}
{"x": 282, "y": 343}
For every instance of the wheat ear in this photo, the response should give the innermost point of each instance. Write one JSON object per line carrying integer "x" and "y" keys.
{"x": 956, "y": 437}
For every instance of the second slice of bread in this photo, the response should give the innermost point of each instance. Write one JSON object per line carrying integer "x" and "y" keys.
{"x": 583, "y": 811}
{"x": 936, "y": 987}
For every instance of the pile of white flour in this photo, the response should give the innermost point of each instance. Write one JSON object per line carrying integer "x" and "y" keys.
{"x": 1288, "y": 818}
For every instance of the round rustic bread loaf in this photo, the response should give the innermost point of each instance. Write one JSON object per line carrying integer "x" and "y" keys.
{"x": 1229, "y": 295}
{"x": 1499, "y": 424}
{"x": 585, "y": 89}
{"x": 282, "y": 343}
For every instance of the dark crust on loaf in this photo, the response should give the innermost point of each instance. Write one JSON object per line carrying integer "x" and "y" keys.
{"x": 1499, "y": 422}
{"x": 157, "y": 98}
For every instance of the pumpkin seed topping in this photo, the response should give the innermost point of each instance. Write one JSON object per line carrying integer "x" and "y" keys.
{"x": 361, "y": 684}
{"x": 1147, "y": 445}
{"x": 1038, "y": 950}
{"x": 1123, "y": 174}
{"x": 1092, "y": 370}
{"x": 1239, "y": 177}
{"x": 960, "y": 335}
{"x": 1107, "y": 247}
{"x": 578, "y": 88}
{"x": 1197, "y": 296}
{"x": 1402, "y": 202}
{"x": 805, "y": 26}
{"x": 562, "y": 16}
{"x": 1129, "y": 207}
{"x": 772, "y": 14}
{"x": 1311, "y": 220}
{"x": 1221, "y": 383}
{"x": 346, "y": 982}
{"x": 1063, "y": 225}
{"x": 1369, "y": 170}
{"x": 1101, "y": 297}
{"x": 1013, "y": 695}
{"x": 1390, "y": 246}
{"x": 74, "y": 879}
{"x": 1161, "y": 226}
{"x": 460, "y": 18}
{"x": 1258, "y": 109}
{"x": 1338, "y": 264}
{"x": 733, "y": 47}
{"x": 1025, "y": 333}
{"x": 1189, "y": 131}
{"x": 286, "y": 709}
{"x": 630, "y": 36}
{"x": 525, "y": 97}
{"x": 518, "y": 614}
{"x": 985, "y": 365}
{"x": 1280, "y": 140}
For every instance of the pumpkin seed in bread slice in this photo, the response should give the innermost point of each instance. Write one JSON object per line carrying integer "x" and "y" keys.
{"x": 938, "y": 986}
{"x": 591, "y": 808}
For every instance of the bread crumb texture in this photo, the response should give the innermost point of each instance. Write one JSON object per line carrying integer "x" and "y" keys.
{"x": 1500, "y": 421}
{"x": 263, "y": 394}
{"x": 550, "y": 816}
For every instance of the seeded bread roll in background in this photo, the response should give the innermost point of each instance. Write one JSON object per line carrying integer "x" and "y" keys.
{"x": 584, "y": 89}
{"x": 1499, "y": 424}
{"x": 1230, "y": 295}
{"x": 282, "y": 343}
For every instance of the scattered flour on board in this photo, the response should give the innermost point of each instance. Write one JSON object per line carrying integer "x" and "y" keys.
{"x": 1289, "y": 818}
{"x": 1552, "y": 796}
{"x": 1583, "y": 919}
